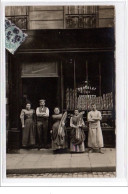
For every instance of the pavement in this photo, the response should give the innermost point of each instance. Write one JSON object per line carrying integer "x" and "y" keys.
{"x": 45, "y": 161}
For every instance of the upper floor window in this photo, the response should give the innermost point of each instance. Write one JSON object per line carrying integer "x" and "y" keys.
{"x": 18, "y": 15}
{"x": 81, "y": 16}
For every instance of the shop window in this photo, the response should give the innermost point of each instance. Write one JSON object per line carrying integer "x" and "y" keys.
{"x": 88, "y": 81}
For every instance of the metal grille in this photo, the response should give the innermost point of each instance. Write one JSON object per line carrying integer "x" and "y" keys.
{"x": 18, "y": 15}
{"x": 81, "y": 16}
{"x": 19, "y": 21}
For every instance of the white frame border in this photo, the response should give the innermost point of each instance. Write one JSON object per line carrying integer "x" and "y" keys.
{"x": 121, "y": 101}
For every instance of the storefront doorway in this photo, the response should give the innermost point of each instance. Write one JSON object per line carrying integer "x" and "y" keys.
{"x": 34, "y": 89}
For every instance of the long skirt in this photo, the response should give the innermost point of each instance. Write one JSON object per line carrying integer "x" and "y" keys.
{"x": 95, "y": 138}
{"x": 58, "y": 142}
{"x": 28, "y": 133}
{"x": 77, "y": 140}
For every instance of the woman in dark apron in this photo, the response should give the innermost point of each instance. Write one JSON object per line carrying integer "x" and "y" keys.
{"x": 58, "y": 130}
{"x": 77, "y": 136}
{"x": 27, "y": 117}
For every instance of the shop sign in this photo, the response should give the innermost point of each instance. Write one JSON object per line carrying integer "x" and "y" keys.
{"x": 39, "y": 69}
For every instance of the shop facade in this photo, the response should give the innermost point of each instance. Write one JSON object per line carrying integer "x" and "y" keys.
{"x": 70, "y": 68}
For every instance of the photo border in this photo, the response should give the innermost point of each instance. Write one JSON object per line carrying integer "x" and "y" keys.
{"x": 121, "y": 102}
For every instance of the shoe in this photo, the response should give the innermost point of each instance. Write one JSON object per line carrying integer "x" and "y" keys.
{"x": 46, "y": 147}
{"x": 39, "y": 147}
{"x": 90, "y": 151}
{"x": 49, "y": 146}
{"x": 100, "y": 151}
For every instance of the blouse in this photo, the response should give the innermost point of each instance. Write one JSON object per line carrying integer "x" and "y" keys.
{"x": 26, "y": 114}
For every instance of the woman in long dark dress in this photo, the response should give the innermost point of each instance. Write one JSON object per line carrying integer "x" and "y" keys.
{"x": 77, "y": 134}
{"x": 58, "y": 130}
{"x": 27, "y": 117}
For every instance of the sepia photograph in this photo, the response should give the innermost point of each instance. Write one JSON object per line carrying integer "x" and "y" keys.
{"x": 60, "y": 91}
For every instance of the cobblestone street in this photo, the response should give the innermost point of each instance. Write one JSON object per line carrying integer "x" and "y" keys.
{"x": 66, "y": 175}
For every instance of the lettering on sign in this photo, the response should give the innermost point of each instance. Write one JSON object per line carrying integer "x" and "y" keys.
{"x": 40, "y": 69}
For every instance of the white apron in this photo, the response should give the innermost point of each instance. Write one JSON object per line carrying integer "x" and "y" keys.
{"x": 95, "y": 137}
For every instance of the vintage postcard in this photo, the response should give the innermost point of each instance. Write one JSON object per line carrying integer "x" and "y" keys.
{"x": 60, "y": 91}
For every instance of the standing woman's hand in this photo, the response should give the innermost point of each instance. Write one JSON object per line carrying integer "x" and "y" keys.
{"x": 63, "y": 124}
{"x": 22, "y": 126}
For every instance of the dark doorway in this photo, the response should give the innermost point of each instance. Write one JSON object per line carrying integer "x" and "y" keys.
{"x": 41, "y": 88}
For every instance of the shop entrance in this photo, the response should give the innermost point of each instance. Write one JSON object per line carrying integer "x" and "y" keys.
{"x": 34, "y": 89}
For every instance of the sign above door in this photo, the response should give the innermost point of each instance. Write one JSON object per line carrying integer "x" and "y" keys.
{"x": 39, "y": 69}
